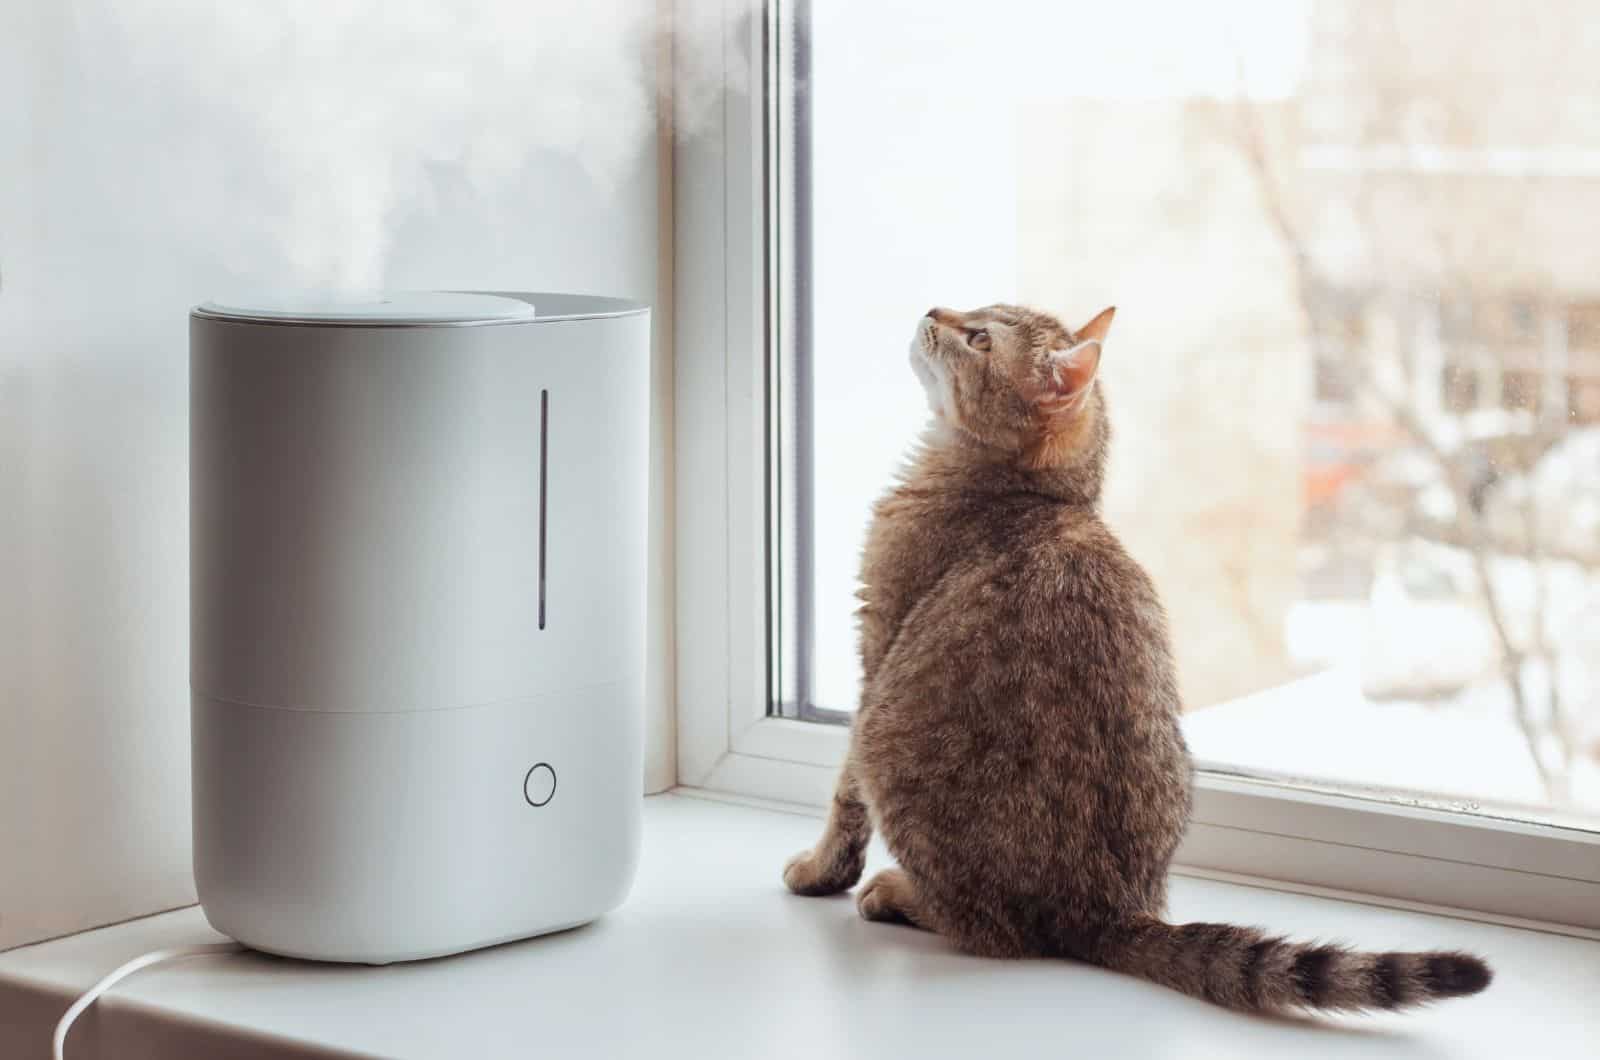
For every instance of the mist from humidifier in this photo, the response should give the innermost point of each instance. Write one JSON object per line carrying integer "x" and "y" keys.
{"x": 349, "y": 102}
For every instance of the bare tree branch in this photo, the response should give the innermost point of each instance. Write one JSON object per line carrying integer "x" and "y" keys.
{"x": 1313, "y": 291}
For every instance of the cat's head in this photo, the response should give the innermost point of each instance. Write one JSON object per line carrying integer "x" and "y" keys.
{"x": 1014, "y": 379}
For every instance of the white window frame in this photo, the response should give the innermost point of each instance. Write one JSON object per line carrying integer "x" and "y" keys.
{"x": 726, "y": 281}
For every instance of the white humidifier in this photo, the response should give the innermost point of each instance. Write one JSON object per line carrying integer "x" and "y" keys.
{"x": 418, "y": 545}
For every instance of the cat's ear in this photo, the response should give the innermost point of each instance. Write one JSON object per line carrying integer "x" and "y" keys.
{"x": 1095, "y": 330}
{"x": 1072, "y": 372}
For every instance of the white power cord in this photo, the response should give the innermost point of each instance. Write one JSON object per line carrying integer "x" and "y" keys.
{"x": 59, "y": 1042}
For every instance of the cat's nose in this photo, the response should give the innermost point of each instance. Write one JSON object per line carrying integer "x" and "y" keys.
{"x": 938, "y": 314}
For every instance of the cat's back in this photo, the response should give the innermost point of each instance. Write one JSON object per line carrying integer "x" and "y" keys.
{"x": 1031, "y": 677}
{"x": 1026, "y": 573}
{"x": 922, "y": 531}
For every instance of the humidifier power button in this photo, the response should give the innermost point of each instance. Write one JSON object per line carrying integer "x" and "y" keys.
{"x": 539, "y": 786}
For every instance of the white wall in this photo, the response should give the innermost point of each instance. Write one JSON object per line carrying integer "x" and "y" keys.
{"x": 148, "y": 160}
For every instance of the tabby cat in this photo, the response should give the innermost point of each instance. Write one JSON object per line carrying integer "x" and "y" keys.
{"x": 1017, "y": 743}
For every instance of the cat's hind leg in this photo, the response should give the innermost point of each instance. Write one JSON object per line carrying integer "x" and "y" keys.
{"x": 835, "y": 863}
{"x": 891, "y": 898}
{"x": 894, "y": 896}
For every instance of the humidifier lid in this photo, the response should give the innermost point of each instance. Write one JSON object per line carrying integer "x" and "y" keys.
{"x": 373, "y": 308}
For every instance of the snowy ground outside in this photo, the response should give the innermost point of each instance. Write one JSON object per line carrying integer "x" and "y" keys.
{"x": 1321, "y": 728}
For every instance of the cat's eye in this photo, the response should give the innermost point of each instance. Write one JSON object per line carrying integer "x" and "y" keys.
{"x": 978, "y": 340}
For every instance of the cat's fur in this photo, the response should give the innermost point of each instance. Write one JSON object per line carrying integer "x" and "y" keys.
{"x": 1017, "y": 743}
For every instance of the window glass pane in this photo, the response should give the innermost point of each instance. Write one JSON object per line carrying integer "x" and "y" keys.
{"x": 1355, "y": 373}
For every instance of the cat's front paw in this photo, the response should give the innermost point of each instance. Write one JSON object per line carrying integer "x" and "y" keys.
{"x": 809, "y": 874}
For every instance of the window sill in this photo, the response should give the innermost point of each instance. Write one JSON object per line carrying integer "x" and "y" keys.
{"x": 710, "y": 957}
{"x": 1413, "y": 856}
